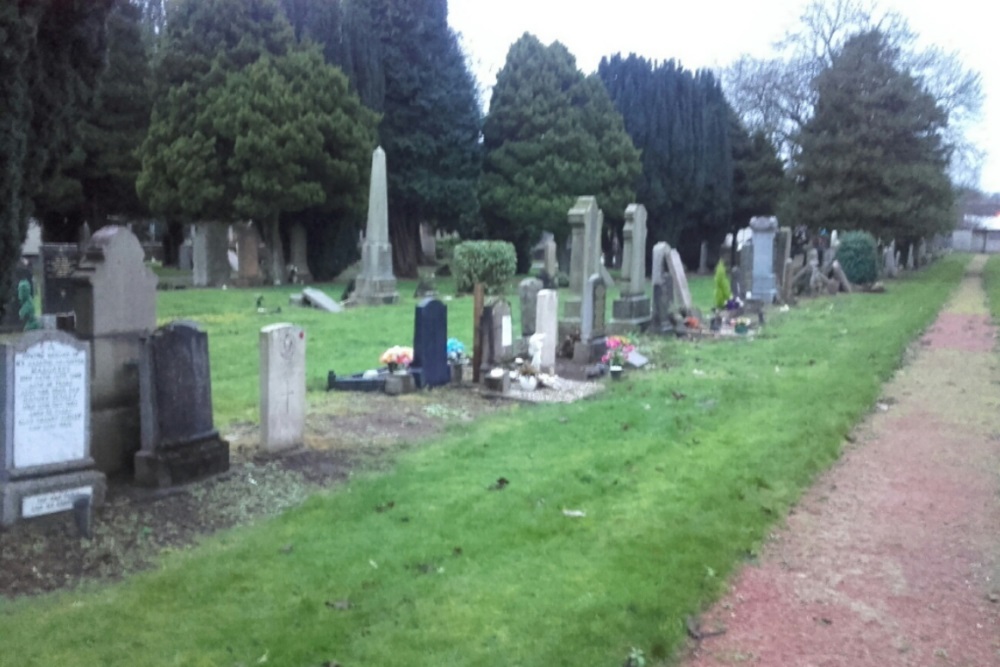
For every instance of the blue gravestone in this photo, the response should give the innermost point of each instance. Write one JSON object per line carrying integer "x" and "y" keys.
{"x": 430, "y": 344}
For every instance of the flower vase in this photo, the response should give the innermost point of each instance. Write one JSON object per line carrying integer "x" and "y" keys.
{"x": 741, "y": 328}
{"x": 617, "y": 372}
{"x": 392, "y": 366}
{"x": 457, "y": 373}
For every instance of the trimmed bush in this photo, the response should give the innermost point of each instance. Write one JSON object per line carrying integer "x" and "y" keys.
{"x": 858, "y": 256}
{"x": 723, "y": 290}
{"x": 492, "y": 263}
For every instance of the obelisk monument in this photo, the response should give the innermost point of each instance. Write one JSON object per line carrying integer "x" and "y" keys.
{"x": 376, "y": 283}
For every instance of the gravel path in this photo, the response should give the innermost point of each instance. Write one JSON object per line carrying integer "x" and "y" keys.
{"x": 893, "y": 557}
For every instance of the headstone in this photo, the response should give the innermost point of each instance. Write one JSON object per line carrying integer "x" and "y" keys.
{"x": 115, "y": 306}
{"x": 663, "y": 287}
{"x": 681, "y": 290}
{"x": 787, "y": 282}
{"x": 430, "y": 344}
{"x": 209, "y": 251}
{"x": 179, "y": 442}
{"x": 736, "y": 283}
{"x": 633, "y": 309}
{"x": 746, "y": 268}
{"x": 377, "y": 284}
{"x": 185, "y": 258}
{"x": 547, "y": 323}
{"x": 248, "y": 259}
{"x": 782, "y": 252}
{"x": 428, "y": 243}
{"x": 703, "y": 258}
{"x": 763, "y": 284}
{"x": 282, "y": 386}
{"x": 300, "y": 259}
{"x": 592, "y": 319}
{"x": 841, "y": 277}
{"x": 496, "y": 332}
{"x": 889, "y": 268}
{"x": 318, "y": 299}
{"x": 584, "y": 222}
{"x": 10, "y": 321}
{"x": 528, "y": 292}
{"x": 33, "y": 240}
{"x": 45, "y": 460}
{"x": 59, "y": 260}
{"x": 551, "y": 265}
{"x": 910, "y": 259}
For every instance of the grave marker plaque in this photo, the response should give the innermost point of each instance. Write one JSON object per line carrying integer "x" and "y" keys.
{"x": 59, "y": 261}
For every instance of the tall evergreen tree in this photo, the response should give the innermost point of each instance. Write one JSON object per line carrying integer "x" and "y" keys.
{"x": 51, "y": 54}
{"x": 873, "y": 157}
{"x": 551, "y": 135}
{"x": 680, "y": 122}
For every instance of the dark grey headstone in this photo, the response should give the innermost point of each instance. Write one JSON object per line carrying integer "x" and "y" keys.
{"x": 430, "y": 344}
{"x": 59, "y": 261}
{"x": 179, "y": 440}
{"x": 528, "y": 291}
{"x": 496, "y": 334}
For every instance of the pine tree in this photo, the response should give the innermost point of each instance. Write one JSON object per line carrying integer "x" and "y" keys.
{"x": 872, "y": 157}
{"x": 551, "y": 135}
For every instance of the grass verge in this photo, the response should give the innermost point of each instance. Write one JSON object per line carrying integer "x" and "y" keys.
{"x": 680, "y": 471}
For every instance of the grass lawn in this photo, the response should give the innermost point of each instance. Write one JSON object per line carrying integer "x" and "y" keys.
{"x": 680, "y": 471}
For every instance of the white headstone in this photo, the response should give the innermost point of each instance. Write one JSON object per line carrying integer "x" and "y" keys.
{"x": 547, "y": 323}
{"x": 681, "y": 289}
{"x": 282, "y": 386}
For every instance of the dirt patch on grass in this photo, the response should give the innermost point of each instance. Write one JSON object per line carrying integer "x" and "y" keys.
{"x": 345, "y": 432}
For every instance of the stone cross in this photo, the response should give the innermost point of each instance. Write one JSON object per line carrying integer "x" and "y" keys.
{"x": 282, "y": 350}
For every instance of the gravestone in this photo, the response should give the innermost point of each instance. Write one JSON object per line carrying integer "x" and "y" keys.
{"x": 547, "y": 323}
{"x": 663, "y": 287}
{"x": 10, "y": 321}
{"x": 185, "y": 257}
{"x": 682, "y": 292}
{"x": 179, "y": 442}
{"x": 319, "y": 299}
{"x": 299, "y": 256}
{"x": 910, "y": 259}
{"x": 248, "y": 259}
{"x": 592, "y": 318}
{"x": 115, "y": 305}
{"x": 377, "y": 284}
{"x": 430, "y": 344}
{"x": 282, "y": 350}
{"x": 210, "y": 255}
{"x": 889, "y": 268}
{"x": 528, "y": 292}
{"x": 59, "y": 260}
{"x": 584, "y": 222}
{"x": 746, "y": 267}
{"x": 703, "y": 258}
{"x": 45, "y": 460}
{"x": 763, "y": 283}
{"x": 782, "y": 253}
{"x": 551, "y": 264}
{"x": 633, "y": 309}
{"x": 496, "y": 334}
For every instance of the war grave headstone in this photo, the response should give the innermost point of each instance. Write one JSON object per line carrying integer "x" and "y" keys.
{"x": 547, "y": 324}
{"x": 682, "y": 292}
{"x": 45, "y": 458}
{"x": 282, "y": 349}
{"x": 763, "y": 283}
{"x": 633, "y": 309}
{"x": 376, "y": 283}
{"x": 430, "y": 344}
{"x": 209, "y": 255}
{"x": 115, "y": 306}
{"x": 59, "y": 260}
{"x": 10, "y": 320}
{"x": 584, "y": 220}
{"x": 528, "y": 292}
{"x": 592, "y": 322}
{"x": 179, "y": 442}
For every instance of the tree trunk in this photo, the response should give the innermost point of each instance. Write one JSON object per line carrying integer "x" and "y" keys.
{"x": 272, "y": 229}
{"x": 405, "y": 237}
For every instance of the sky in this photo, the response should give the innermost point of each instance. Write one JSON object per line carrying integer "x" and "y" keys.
{"x": 712, "y": 34}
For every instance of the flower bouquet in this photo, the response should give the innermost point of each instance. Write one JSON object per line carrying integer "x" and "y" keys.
{"x": 619, "y": 348}
{"x": 456, "y": 351}
{"x": 397, "y": 357}
{"x": 734, "y": 303}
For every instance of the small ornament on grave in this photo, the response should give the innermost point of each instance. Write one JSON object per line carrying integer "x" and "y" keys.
{"x": 397, "y": 358}
{"x": 27, "y": 310}
{"x": 741, "y": 325}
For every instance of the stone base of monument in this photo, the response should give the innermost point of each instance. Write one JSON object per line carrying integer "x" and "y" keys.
{"x": 585, "y": 352}
{"x": 399, "y": 383}
{"x": 630, "y": 314}
{"x": 52, "y": 494}
{"x": 375, "y": 291}
{"x": 114, "y": 433}
{"x": 182, "y": 462}
{"x": 496, "y": 385}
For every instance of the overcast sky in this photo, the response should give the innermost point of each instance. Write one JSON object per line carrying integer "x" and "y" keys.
{"x": 713, "y": 33}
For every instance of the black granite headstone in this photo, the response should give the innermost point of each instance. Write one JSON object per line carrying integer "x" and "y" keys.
{"x": 430, "y": 344}
{"x": 179, "y": 440}
{"x": 59, "y": 261}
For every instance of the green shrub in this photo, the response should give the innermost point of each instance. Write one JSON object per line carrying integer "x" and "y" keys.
{"x": 858, "y": 256}
{"x": 445, "y": 248}
{"x": 723, "y": 290}
{"x": 492, "y": 263}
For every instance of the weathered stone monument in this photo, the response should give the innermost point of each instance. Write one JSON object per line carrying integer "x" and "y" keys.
{"x": 282, "y": 350}
{"x": 528, "y": 292}
{"x": 377, "y": 284}
{"x": 45, "y": 461}
{"x": 632, "y": 310}
{"x": 496, "y": 333}
{"x": 763, "y": 285}
{"x": 782, "y": 253}
{"x": 682, "y": 292}
{"x": 585, "y": 259}
{"x": 209, "y": 255}
{"x": 430, "y": 344}
{"x": 179, "y": 442}
{"x": 550, "y": 261}
{"x": 298, "y": 242}
{"x": 115, "y": 305}
{"x": 547, "y": 323}
{"x": 592, "y": 322}
{"x": 663, "y": 287}
{"x": 703, "y": 258}
{"x": 746, "y": 256}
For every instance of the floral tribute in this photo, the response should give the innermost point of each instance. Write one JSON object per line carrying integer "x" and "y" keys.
{"x": 397, "y": 356}
{"x": 619, "y": 348}
{"x": 456, "y": 351}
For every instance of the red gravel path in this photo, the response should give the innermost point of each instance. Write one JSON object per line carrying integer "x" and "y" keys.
{"x": 893, "y": 558}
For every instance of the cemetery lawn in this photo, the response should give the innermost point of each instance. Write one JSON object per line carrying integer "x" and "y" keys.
{"x": 542, "y": 535}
